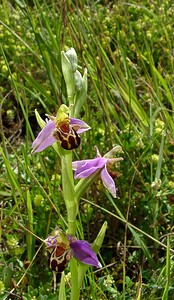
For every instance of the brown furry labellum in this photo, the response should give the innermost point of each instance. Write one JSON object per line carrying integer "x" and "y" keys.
{"x": 59, "y": 258}
{"x": 67, "y": 136}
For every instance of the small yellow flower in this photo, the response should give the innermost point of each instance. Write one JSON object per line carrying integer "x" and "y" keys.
{"x": 155, "y": 158}
{"x": 156, "y": 184}
{"x": 12, "y": 242}
{"x": 2, "y": 287}
{"x": 108, "y": 281}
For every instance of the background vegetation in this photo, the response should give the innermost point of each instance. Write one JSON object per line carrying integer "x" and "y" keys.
{"x": 128, "y": 51}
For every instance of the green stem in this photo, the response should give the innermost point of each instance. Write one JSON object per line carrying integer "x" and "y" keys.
{"x": 83, "y": 184}
{"x": 75, "y": 290}
{"x": 62, "y": 294}
{"x": 71, "y": 206}
{"x": 68, "y": 191}
{"x": 81, "y": 275}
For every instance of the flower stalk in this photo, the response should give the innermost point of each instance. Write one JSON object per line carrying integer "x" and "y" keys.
{"x": 62, "y": 132}
{"x": 68, "y": 191}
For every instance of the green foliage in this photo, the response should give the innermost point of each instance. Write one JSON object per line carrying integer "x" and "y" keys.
{"x": 127, "y": 49}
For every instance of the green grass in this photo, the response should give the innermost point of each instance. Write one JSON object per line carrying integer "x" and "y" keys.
{"x": 128, "y": 51}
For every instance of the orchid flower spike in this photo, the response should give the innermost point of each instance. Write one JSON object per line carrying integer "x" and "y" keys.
{"x": 85, "y": 168}
{"x": 60, "y": 128}
{"x": 62, "y": 248}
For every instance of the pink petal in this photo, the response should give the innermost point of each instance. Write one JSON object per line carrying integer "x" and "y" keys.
{"x": 83, "y": 252}
{"x": 108, "y": 182}
{"x": 85, "y": 168}
{"x": 79, "y": 163}
{"x": 81, "y": 124}
{"x": 45, "y": 137}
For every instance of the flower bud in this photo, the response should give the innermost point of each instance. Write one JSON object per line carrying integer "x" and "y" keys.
{"x": 78, "y": 80}
{"x": 82, "y": 93}
{"x": 72, "y": 57}
{"x": 68, "y": 73}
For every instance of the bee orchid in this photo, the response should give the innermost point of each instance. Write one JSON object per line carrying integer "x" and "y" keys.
{"x": 60, "y": 128}
{"x": 62, "y": 248}
{"x": 85, "y": 168}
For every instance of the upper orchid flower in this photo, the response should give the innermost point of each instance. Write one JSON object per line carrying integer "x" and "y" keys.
{"x": 85, "y": 168}
{"x": 61, "y": 128}
{"x": 63, "y": 247}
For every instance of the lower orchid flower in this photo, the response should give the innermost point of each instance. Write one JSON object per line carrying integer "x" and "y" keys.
{"x": 63, "y": 247}
{"x": 85, "y": 168}
{"x": 60, "y": 128}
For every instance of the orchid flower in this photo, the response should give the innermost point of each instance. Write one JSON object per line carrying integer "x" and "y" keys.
{"x": 85, "y": 168}
{"x": 60, "y": 128}
{"x": 63, "y": 247}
